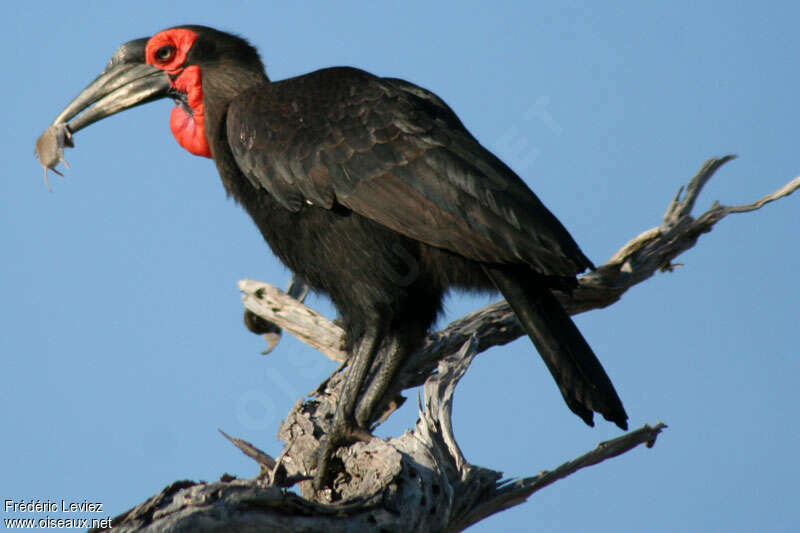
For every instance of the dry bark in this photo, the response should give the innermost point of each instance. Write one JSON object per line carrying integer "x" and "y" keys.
{"x": 419, "y": 481}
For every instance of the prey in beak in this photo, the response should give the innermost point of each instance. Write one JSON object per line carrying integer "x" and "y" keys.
{"x": 50, "y": 148}
{"x": 127, "y": 81}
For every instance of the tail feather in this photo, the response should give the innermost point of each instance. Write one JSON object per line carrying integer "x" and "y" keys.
{"x": 584, "y": 384}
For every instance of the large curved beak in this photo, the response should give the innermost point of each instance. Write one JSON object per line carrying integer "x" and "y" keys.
{"x": 126, "y": 82}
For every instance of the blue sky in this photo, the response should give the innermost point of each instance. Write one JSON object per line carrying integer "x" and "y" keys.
{"x": 121, "y": 342}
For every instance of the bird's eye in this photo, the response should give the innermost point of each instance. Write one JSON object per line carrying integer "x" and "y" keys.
{"x": 165, "y": 53}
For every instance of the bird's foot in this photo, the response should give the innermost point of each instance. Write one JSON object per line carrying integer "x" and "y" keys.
{"x": 342, "y": 434}
{"x": 269, "y": 330}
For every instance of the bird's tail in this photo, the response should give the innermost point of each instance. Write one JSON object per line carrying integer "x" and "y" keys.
{"x": 583, "y": 383}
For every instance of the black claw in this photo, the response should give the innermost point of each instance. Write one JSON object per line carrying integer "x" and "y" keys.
{"x": 258, "y": 325}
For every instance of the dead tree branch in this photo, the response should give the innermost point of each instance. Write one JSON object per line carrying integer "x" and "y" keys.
{"x": 649, "y": 252}
{"x": 419, "y": 481}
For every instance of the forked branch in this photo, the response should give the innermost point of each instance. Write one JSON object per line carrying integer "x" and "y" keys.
{"x": 419, "y": 481}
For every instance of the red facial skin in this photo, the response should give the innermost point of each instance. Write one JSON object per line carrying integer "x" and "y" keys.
{"x": 187, "y": 128}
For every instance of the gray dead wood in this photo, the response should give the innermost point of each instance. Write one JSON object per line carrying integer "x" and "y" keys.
{"x": 419, "y": 481}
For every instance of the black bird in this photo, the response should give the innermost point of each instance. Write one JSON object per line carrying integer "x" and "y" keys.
{"x": 373, "y": 191}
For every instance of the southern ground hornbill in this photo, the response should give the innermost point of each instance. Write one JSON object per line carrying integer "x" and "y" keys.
{"x": 372, "y": 190}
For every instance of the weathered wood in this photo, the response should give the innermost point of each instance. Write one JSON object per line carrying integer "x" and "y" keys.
{"x": 649, "y": 252}
{"x": 274, "y": 305}
{"x": 419, "y": 481}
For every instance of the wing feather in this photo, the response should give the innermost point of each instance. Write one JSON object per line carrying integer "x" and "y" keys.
{"x": 397, "y": 154}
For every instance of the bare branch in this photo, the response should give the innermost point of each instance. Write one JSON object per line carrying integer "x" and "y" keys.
{"x": 651, "y": 251}
{"x": 266, "y": 462}
{"x": 421, "y": 480}
{"x": 514, "y": 492}
{"x": 435, "y": 421}
{"x": 274, "y": 305}
{"x": 238, "y": 505}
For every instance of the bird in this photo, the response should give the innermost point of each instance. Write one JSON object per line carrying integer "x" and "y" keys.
{"x": 371, "y": 190}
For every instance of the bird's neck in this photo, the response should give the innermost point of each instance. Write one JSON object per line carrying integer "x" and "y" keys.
{"x": 220, "y": 86}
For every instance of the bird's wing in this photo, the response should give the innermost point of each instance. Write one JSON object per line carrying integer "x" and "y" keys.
{"x": 397, "y": 154}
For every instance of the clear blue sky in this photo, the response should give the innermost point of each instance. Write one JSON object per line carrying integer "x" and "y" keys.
{"x": 121, "y": 341}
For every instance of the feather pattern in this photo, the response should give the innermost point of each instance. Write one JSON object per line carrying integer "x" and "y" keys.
{"x": 396, "y": 154}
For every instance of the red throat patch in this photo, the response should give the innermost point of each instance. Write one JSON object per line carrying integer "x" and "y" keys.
{"x": 189, "y": 128}
{"x": 167, "y": 50}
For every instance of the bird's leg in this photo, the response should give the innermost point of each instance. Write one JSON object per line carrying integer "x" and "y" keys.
{"x": 357, "y": 371}
{"x": 374, "y": 394}
{"x": 344, "y": 428}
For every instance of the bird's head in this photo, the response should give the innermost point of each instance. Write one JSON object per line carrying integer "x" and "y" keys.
{"x": 184, "y": 63}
